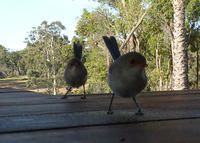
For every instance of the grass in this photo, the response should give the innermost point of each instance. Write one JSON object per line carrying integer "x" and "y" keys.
{"x": 16, "y": 78}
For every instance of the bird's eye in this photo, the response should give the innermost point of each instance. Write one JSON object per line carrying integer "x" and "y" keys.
{"x": 132, "y": 61}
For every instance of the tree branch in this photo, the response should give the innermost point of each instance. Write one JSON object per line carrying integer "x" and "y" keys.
{"x": 133, "y": 29}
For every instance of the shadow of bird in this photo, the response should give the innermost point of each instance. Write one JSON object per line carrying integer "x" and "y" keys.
{"x": 75, "y": 73}
{"x": 126, "y": 75}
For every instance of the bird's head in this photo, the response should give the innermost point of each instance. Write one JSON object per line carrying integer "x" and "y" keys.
{"x": 136, "y": 60}
{"x": 74, "y": 63}
{"x": 132, "y": 60}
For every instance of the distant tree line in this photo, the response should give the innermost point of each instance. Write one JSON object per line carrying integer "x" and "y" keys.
{"x": 168, "y": 35}
{"x": 10, "y": 63}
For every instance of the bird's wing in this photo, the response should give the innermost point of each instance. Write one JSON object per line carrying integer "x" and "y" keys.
{"x": 77, "y": 50}
{"x": 112, "y": 46}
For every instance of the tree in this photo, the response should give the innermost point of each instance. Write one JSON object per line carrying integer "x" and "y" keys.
{"x": 44, "y": 47}
{"x": 97, "y": 71}
{"x": 4, "y": 69}
{"x": 14, "y": 63}
{"x": 180, "y": 59}
{"x": 98, "y": 59}
{"x": 193, "y": 36}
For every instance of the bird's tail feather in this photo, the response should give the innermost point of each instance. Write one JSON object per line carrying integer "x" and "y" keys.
{"x": 112, "y": 46}
{"x": 78, "y": 50}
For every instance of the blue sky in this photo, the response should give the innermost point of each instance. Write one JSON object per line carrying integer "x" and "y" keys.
{"x": 17, "y": 17}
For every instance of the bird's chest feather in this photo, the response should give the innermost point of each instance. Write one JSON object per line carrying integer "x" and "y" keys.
{"x": 126, "y": 82}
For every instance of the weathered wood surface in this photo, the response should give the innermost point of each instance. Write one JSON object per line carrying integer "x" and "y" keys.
{"x": 35, "y": 117}
{"x": 8, "y": 90}
{"x": 174, "y": 131}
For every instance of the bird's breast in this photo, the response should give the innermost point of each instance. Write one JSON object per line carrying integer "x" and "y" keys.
{"x": 126, "y": 83}
{"x": 75, "y": 76}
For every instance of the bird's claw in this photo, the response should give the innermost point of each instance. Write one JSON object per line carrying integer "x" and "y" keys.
{"x": 139, "y": 113}
{"x": 83, "y": 97}
{"x": 109, "y": 112}
{"x": 63, "y": 97}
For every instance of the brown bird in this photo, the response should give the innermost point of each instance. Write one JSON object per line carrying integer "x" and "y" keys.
{"x": 75, "y": 73}
{"x": 126, "y": 76}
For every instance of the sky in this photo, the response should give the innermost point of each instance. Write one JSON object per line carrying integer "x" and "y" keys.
{"x": 17, "y": 17}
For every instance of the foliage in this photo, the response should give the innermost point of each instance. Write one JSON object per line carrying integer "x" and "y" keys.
{"x": 97, "y": 71}
{"x": 47, "y": 53}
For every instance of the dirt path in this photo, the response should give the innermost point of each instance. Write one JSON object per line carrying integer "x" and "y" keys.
{"x": 13, "y": 83}
{"x": 17, "y": 83}
{"x": 20, "y": 83}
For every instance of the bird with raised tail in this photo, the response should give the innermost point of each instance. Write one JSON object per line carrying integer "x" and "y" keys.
{"x": 75, "y": 73}
{"x": 126, "y": 75}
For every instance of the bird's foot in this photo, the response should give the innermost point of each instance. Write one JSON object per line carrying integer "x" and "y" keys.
{"x": 110, "y": 112}
{"x": 63, "y": 97}
{"x": 139, "y": 113}
{"x": 83, "y": 97}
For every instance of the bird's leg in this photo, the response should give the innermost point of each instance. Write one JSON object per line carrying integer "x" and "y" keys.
{"x": 109, "y": 108}
{"x": 66, "y": 93}
{"x": 84, "y": 96}
{"x": 139, "y": 112}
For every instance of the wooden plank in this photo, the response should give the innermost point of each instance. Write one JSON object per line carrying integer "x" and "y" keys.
{"x": 146, "y": 93}
{"x": 34, "y": 98}
{"x": 21, "y": 94}
{"x": 77, "y": 119}
{"x": 50, "y": 108}
{"x": 46, "y": 100}
{"x": 173, "y": 131}
{"x": 51, "y": 105}
{"x": 26, "y": 112}
{"x": 9, "y": 90}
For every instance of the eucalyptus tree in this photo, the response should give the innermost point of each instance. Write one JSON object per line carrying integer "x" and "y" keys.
{"x": 163, "y": 13}
{"x": 4, "y": 62}
{"x": 14, "y": 62}
{"x": 180, "y": 58}
{"x": 45, "y": 44}
{"x": 90, "y": 28}
{"x": 10, "y": 63}
{"x": 193, "y": 36}
{"x": 190, "y": 17}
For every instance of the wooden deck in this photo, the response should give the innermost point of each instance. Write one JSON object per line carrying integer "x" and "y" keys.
{"x": 169, "y": 117}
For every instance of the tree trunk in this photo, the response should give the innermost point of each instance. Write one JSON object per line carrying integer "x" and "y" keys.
{"x": 197, "y": 84}
{"x": 159, "y": 68}
{"x": 54, "y": 68}
{"x": 137, "y": 47}
{"x": 180, "y": 59}
{"x": 170, "y": 26}
{"x": 48, "y": 71}
{"x": 124, "y": 3}
{"x": 54, "y": 77}
{"x": 157, "y": 58}
{"x": 168, "y": 74}
{"x": 107, "y": 58}
{"x": 160, "y": 74}
{"x": 131, "y": 44}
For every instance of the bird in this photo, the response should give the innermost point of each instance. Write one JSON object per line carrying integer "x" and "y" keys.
{"x": 126, "y": 75}
{"x": 75, "y": 73}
